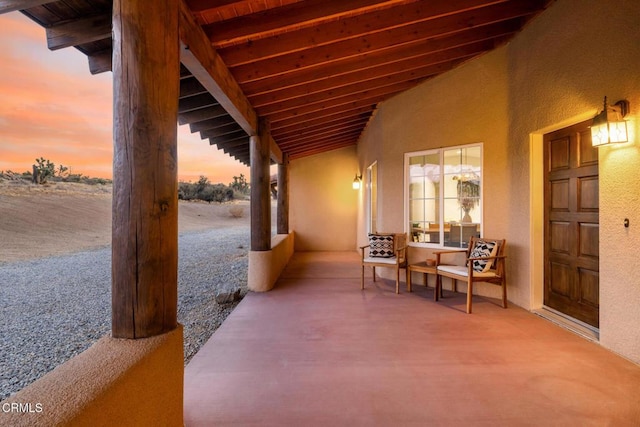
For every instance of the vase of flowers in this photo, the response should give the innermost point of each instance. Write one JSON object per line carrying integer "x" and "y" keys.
{"x": 468, "y": 196}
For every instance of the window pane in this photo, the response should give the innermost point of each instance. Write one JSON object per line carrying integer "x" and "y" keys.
{"x": 424, "y": 177}
{"x": 452, "y": 189}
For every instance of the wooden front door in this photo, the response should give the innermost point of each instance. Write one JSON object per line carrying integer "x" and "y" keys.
{"x": 571, "y": 282}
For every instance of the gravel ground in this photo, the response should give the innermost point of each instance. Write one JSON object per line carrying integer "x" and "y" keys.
{"x": 53, "y": 308}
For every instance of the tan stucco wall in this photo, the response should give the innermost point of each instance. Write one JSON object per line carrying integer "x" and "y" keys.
{"x": 265, "y": 267}
{"x": 115, "y": 382}
{"x": 323, "y": 206}
{"x": 559, "y": 69}
{"x": 553, "y": 74}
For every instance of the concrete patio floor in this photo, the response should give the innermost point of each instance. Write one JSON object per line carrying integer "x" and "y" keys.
{"x": 318, "y": 351}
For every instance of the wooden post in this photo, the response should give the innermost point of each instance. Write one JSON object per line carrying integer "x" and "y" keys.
{"x": 145, "y": 204}
{"x": 260, "y": 190}
{"x": 283, "y": 195}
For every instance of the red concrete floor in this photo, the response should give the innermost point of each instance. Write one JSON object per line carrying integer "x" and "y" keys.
{"x": 318, "y": 351}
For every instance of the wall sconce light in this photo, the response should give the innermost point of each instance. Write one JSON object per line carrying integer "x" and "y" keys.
{"x": 356, "y": 182}
{"x": 610, "y": 126}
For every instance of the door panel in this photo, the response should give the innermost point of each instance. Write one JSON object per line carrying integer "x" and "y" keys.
{"x": 571, "y": 223}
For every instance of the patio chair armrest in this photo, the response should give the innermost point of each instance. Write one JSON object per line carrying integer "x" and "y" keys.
{"x": 486, "y": 257}
{"x": 362, "y": 248}
{"x": 449, "y": 251}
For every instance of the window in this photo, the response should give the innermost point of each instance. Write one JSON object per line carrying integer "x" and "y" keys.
{"x": 443, "y": 195}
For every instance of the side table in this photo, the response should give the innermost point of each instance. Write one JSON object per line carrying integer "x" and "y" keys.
{"x": 425, "y": 269}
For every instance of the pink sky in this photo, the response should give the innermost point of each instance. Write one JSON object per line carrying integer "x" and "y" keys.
{"x": 52, "y": 107}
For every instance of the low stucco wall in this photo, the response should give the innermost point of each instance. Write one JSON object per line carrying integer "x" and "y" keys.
{"x": 266, "y": 266}
{"x": 115, "y": 382}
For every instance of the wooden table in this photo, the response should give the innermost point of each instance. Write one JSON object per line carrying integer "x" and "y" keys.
{"x": 425, "y": 269}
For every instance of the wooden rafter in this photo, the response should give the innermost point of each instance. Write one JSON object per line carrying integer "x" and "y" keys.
{"x": 314, "y": 69}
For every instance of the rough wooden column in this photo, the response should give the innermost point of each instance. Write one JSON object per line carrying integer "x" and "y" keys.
{"x": 283, "y": 195}
{"x": 145, "y": 203}
{"x": 260, "y": 190}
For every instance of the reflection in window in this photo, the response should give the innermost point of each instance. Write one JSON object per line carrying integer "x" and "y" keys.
{"x": 444, "y": 203}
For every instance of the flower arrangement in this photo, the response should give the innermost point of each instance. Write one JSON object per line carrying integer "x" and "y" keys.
{"x": 468, "y": 195}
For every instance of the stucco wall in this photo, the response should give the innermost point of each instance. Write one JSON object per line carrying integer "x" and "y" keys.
{"x": 323, "y": 205}
{"x": 551, "y": 75}
{"x": 464, "y": 106}
{"x": 560, "y": 68}
{"x": 115, "y": 382}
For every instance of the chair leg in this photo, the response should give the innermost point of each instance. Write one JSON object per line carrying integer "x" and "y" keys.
{"x": 504, "y": 293}
{"x": 374, "y": 273}
{"x": 437, "y": 289}
{"x": 469, "y": 293}
{"x": 408, "y": 280}
{"x": 398, "y": 280}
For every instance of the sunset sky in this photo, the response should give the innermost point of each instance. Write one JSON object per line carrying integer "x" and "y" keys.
{"x": 52, "y": 107}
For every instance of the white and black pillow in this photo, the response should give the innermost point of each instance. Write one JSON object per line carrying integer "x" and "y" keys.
{"x": 381, "y": 245}
{"x": 483, "y": 248}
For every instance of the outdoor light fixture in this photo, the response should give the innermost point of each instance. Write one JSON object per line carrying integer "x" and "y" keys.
{"x": 356, "y": 182}
{"x": 610, "y": 126}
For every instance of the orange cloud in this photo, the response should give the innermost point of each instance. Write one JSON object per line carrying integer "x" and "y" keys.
{"x": 53, "y": 107}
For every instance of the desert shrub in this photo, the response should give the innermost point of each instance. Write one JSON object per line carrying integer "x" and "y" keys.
{"x": 43, "y": 170}
{"x": 240, "y": 184}
{"x": 204, "y": 190}
{"x": 236, "y": 211}
{"x": 95, "y": 181}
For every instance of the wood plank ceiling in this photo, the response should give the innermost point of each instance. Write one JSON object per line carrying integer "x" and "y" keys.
{"x": 315, "y": 69}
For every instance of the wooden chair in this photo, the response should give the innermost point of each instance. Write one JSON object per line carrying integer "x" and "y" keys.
{"x": 492, "y": 266}
{"x": 397, "y": 261}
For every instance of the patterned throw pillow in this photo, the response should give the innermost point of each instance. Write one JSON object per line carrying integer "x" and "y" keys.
{"x": 483, "y": 248}
{"x": 381, "y": 245}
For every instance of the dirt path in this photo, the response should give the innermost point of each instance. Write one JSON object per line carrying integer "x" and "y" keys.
{"x": 38, "y": 221}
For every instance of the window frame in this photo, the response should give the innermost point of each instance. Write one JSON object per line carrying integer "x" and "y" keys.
{"x": 441, "y": 194}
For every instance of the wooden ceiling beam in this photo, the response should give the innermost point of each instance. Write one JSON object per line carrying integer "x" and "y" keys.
{"x": 234, "y": 143}
{"x": 375, "y": 94}
{"x": 320, "y": 123}
{"x": 296, "y": 156}
{"x": 230, "y": 138}
{"x": 7, "y": 6}
{"x": 349, "y": 28}
{"x": 321, "y": 141}
{"x": 296, "y": 123}
{"x": 190, "y": 86}
{"x": 211, "y": 123}
{"x": 383, "y": 41}
{"x": 420, "y": 51}
{"x": 202, "y": 5}
{"x": 353, "y": 127}
{"x": 341, "y": 140}
{"x": 365, "y": 103}
{"x": 100, "y": 62}
{"x": 79, "y": 31}
{"x": 309, "y": 13}
{"x": 414, "y": 76}
{"x": 228, "y": 131}
{"x": 305, "y": 130}
{"x": 197, "y": 55}
{"x": 196, "y": 102}
{"x": 416, "y": 65}
{"x": 203, "y": 113}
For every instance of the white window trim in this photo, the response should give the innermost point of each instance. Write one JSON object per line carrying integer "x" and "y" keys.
{"x": 440, "y": 151}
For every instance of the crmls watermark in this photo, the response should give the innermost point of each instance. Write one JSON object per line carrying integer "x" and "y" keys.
{"x": 21, "y": 408}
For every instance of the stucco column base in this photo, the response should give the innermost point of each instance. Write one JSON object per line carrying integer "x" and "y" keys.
{"x": 114, "y": 382}
{"x": 265, "y": 267}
